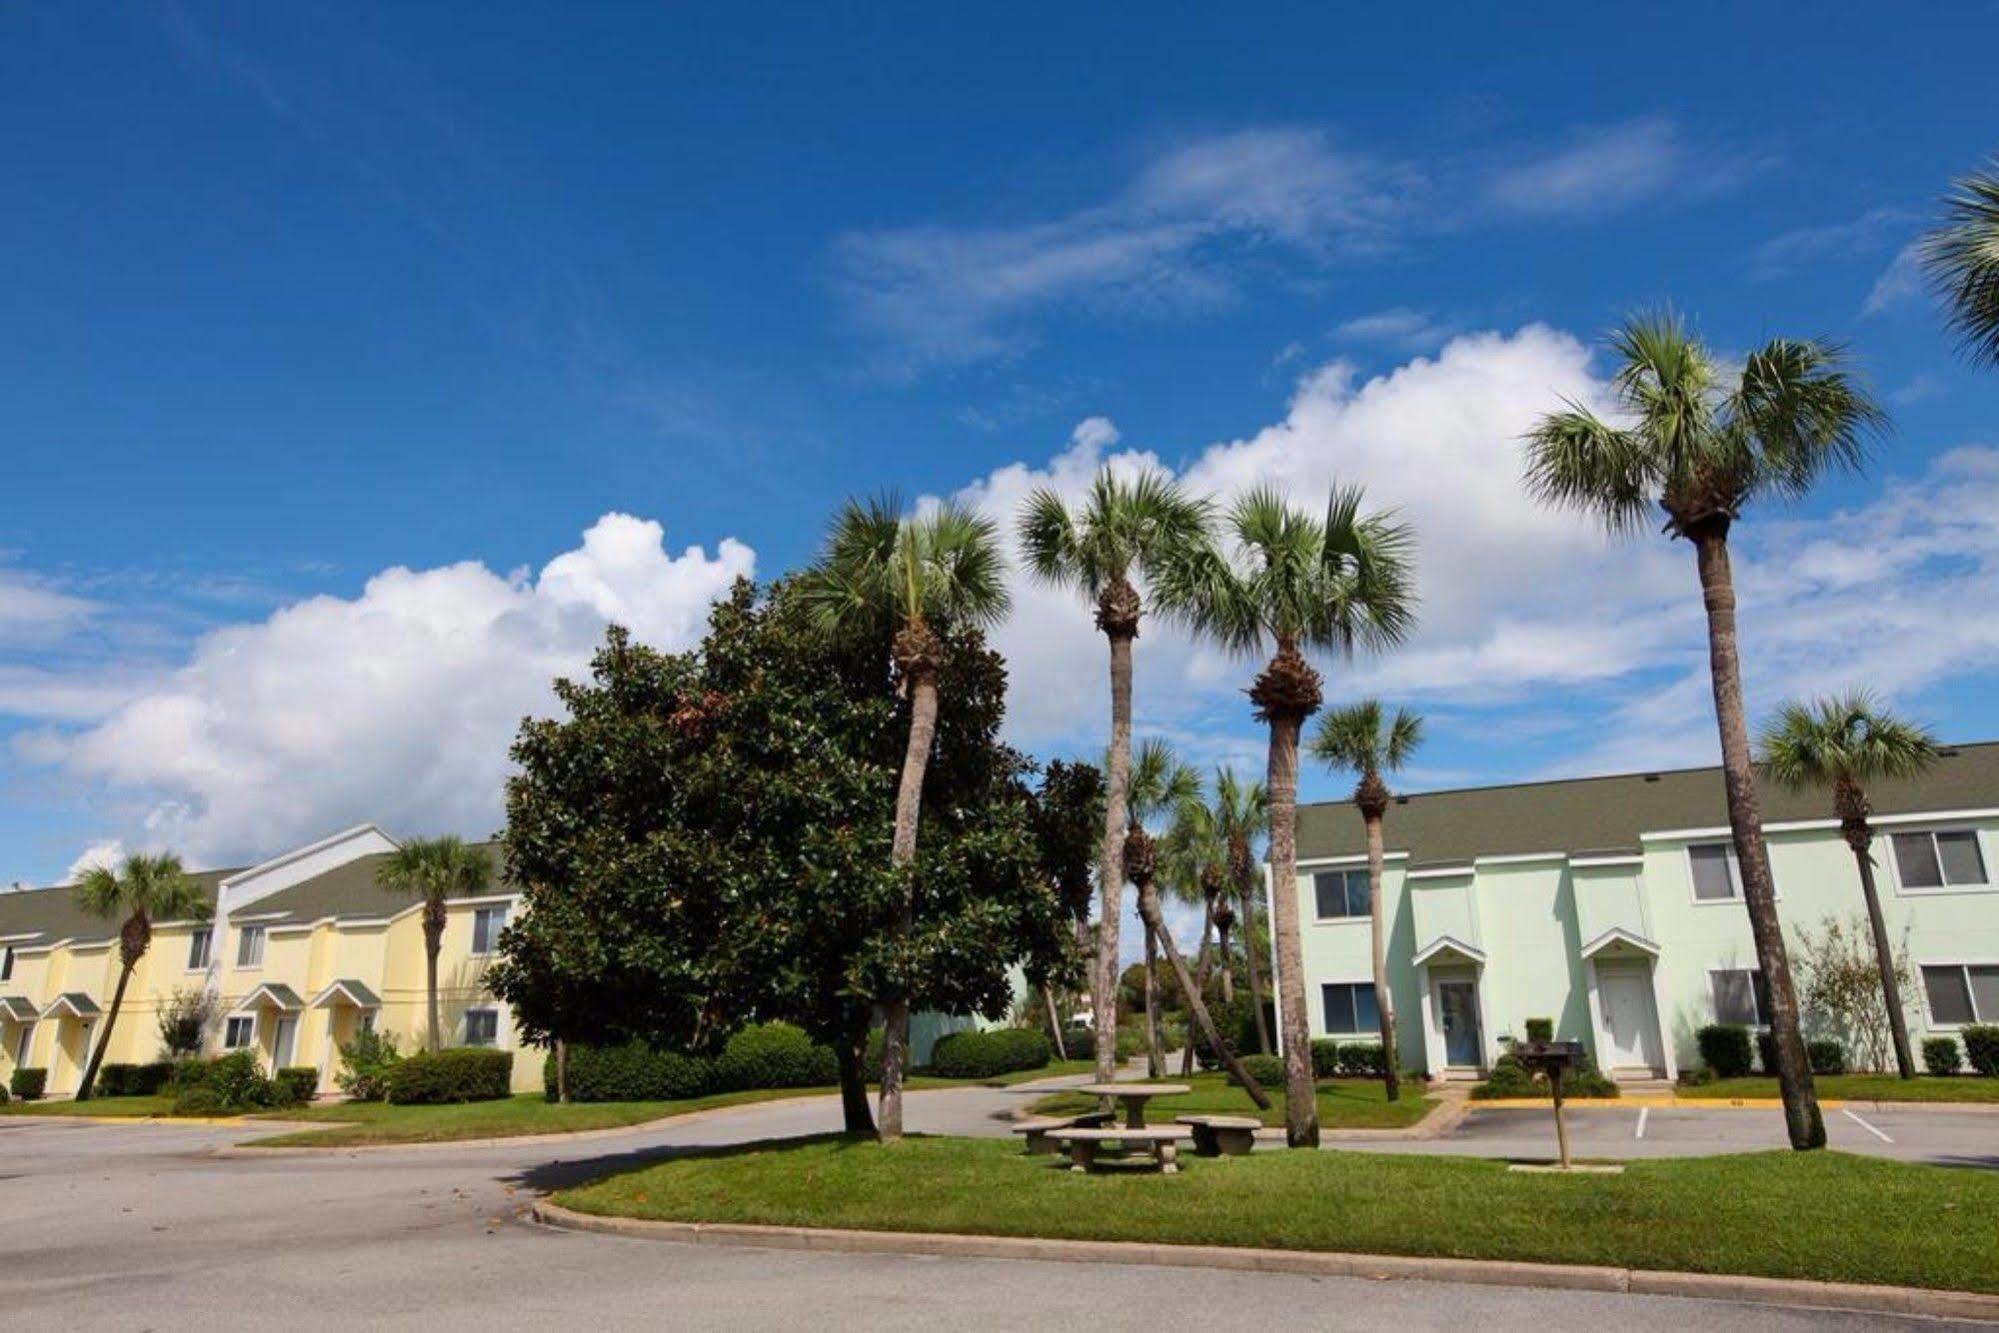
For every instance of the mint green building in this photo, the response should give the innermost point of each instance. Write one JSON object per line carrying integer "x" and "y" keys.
{"x": 1613, "y": 906}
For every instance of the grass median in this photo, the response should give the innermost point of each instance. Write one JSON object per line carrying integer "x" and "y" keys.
{"x": 1855, "y": 1088}
{"x": 117, "y": 1108}
{"x": 1344, "y": 1103}
{"x": 1823, "y": 1215}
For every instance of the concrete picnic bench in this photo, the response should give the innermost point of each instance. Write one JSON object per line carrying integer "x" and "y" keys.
{"x": 1222, "y": 1135}
{"x": 1084, "y": 1144}
{"x": 1037, "y": 1133}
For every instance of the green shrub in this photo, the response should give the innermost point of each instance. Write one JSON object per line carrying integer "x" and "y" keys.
{"x": 631, "y": 1073}
{"x": 126, "y": 1080}
{"x": 1724, "y": 1048}
{"x": 1941, "y": 1056}
{"x": 1265, "y": 1069}
{"x": 297, "y": 1085}
{"x": 1540, "y": 1029}
{"x": 775, "y": 1055}
{"x": 365, "y": 1061}
{"x": 1826, "y": 1057}
{"x": 1766, "y": 1052}
{"x": 29, "y": 1084}
{"x": 1697, "y": 1077}
{"x": 455, "y": 1074}
{"x": 1325, "y": 1057}
{"x": 988, "y": 1054}
{"x": 199, "y": 1099}
{"x": 186, "y": 1074}
{"x": 1362, "y": 1059}
{"x": 1510, "y": 1078}
{"x": 3, "y": 1096}
{"x": 222, "y": 1086}
{"x": 1981, "y": 1047}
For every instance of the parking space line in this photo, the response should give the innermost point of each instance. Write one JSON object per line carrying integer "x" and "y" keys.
{"x": 1864, "y": 1125}
{"x": 1643, "y": 1112}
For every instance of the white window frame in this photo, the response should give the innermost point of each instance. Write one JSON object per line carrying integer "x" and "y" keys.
{"x": 1734, "y": 874}
{"x": 1905, "y": 890}
{"x": 497, "y": 914}
{"x": 244, "y": 936}
{"x": 200, "y": 940}
{"x": 1345, "y": 918}
{"x": 1971, "y": 997}
{"x": 24, "y": 1045}
{"x": 1762, "y": 1020}
{"x": 249, "y": 1041}
{"x": 494, "y": 1044}
{"x": 1355, "y": 982}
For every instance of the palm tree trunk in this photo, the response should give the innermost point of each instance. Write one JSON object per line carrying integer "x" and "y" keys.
{"x": 1155, "y": 928}
{"x": 1301, "y": 1112}
{"x": 104, "y": 1038}
{"x": 1202, "y": 961}
{"x": 1884, "y": 956}
{"x": 851, "y": 1053}
{"x": 908, "y": 807}
{"x": 1794, "y": 1074}
{"x": 1110, "y": 882}
{"x": 1155, "y": 1057}
{"x": 1251, "y": 968}
{"x": 1054, "y": 1022}
{"x": 433, "y": 942}
{"x": 1227, "y": 965}
{"x": 561, "y": 1071}
{"x": 1384, "y": 999}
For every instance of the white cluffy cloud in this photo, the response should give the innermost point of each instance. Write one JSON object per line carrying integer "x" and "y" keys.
{"x": 396, "y": 705}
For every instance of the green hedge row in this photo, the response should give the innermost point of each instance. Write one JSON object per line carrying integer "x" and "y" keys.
{"x": 1510, "y": 1078}
{"x": 772, "y": 1055}
{"x": 455, "y": 1074}
{"x": 233, "y": 1083}
{"x": 1981, "y": 1047}
{"x": 988, "y": 1054}
{"x": 1347, "y": 1059}
{"x": 114, "y": 1080}
{"x": 1081, "y": 1043}
{"x": 29, "y": 1084}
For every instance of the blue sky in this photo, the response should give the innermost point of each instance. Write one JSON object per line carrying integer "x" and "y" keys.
{"x": 298, "y": 298}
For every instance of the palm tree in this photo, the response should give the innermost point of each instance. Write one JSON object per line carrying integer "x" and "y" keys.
{"x": 904, "y": 580}
{"x": 145, "y": 889}
{"x": 1159, "y": 782}
{"x": 1353, "y": 739}
{"x": 1126, "y": 528}
{"x": 1700, "y": 442}
{"x": 1194, "y": 863}
{"x": 1242, "y": 812}
{"x": 435, "y": 870}
{"x": 1962, "y": 257}
{"x": 1846, "y": 742}
{"x": 1341, "y": 584}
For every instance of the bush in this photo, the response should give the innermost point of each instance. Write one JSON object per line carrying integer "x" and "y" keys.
{"x": 1082, "y": 1043}
{"x": 1941, "y": 1056}
{"x": 222, "y": 1086}
{"x": 1826, "y": 1057}
{"x": 1362, "y": 1059}
{"x": 1325, "y": 1057}
{"x": 1510, "y": 1078}
{"x": 1725, "y": 1049}
{"x": 365, "y": 1061}
{"x": 297, "y": 1085}
{"x": 775, "y": 1055}
{"x": 186, "y": 1019}
{"x": 1540, "y": 1029}
{"x": 456, "y": 1074}
{"x": 1981, "y": 1047}
{"x": 185, "y": 1074}
{"x": 632, "y": 1073}
{"x": 3, "y": 1096}
{"x": 1697, "y": 1077}
{"x": 1265, "y": 1069}
{"x": 1766, "y": 1052}
{"x": 988, "y": 1054}
{"x": 133, "y": 1080}
{"x": 29, "y": 1084}
{"x": 199, "y": 1100}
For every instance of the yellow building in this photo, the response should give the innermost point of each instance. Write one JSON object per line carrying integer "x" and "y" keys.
{"x": 300, "y": 951}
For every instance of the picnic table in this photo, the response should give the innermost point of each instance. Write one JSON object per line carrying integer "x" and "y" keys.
{"x": 1135, "y": 1096}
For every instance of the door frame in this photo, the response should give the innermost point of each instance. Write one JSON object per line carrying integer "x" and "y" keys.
{"x": 1465, "y": 972}
{"x": 284, "y": 1033}
{"x": 1668, "y": 1066}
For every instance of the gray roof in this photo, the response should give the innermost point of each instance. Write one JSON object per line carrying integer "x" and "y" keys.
{"x": 275, "y": 993}
{"x": 76, "y": 1002}
{"x": 17, "y": 1008}
{"x": 55, "y": 914}
{"x": 352, "y": 890}
{"x": 1606, "y": 815}
{"x": 353, "y": 991}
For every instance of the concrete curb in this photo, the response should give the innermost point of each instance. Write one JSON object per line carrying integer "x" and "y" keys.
{"x": 1489, "y": 1272}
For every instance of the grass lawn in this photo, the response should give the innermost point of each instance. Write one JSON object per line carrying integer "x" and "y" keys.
{"x": 1859, "y": 1088}
{"x": 1344, "y": 1103}
{"x": 1053, "y": 1069}
{"x": 1821, "y": 1215}
{"x": 132, "y": 1107}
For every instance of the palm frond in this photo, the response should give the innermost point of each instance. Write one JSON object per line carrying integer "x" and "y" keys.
{"x": 1577, "y": 461}
{"x": 1159, "y": 780}
{"x": 1801, "y": 413}
{"x": 1842, "y": 738}
{"x": 1962, "y": 259}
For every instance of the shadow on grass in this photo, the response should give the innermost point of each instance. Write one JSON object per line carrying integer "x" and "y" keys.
{"x": 548, "y": 1177}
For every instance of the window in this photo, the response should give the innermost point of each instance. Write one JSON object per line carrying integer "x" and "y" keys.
{"x": 1940, "y": 859}
{"x": 1740, "y": 996}
{"x": 1350, "y": 1009}
{"x": 1341, "y": 893}
{"x": 1962, "y": 993}
{"x": 239, "y": 1031}
{"x": 482, "y": 1027}
{"x": 1715, "y": 876}
{"x": 7, "y": 963}
{"x": 197, "y": 949}
{"x": 250, "y": 947}
{"x": 487, "y": 922}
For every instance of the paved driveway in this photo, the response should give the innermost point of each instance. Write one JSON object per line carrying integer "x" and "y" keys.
{"x": 140, "y": 1226}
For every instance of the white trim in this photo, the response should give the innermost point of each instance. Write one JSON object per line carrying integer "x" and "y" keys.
{"x": 1448, "y": 942}
{"x": 16, "y": 939}
{"x": 353, "y": 1002}
{"x": 1618, "y": 935}
{"x": 250, "y": 1043}
{"x": 1519, "y": 858}
{"x": 256, "y": 918}
{"x": 1604, "y": 862}
{"x": 300, "y": 853}
{"x": 1962, "y": 964}
{"x": 1328, "y": 862}
{"x": 1443, "y": 872}
{"x": 1821, "y": 825}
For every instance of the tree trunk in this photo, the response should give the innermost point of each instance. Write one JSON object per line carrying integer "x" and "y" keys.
{"x": 1301, "y": 1118}
{"x": 1251, "y": 968}
{"x": 83, "y": 1089}
{"x": 1054, "y": 1022}
{"x": 1155, "y": 1057}
{"x": 1384, "y": 999}
{"x": 851, "y": 1052}
{"x": 1110, "y": 881}
{"x": 1884, "y": 957}
{"x": 1202, "y": 961}
{"x": 433, "y": 942}
{"x": 561, "y": 1071}
{"x": 908, "y": 807}
{"x": 1155, "y": 927}
{"x": 1227, "y": 963}
{"x": 1802, "y": 1118}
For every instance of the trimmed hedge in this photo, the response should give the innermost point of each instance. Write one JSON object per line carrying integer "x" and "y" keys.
{"x": 1510, "y": 1078}
{"x": 1826, "y": 1057}
{"x": 988, "y": 1054}
{"x": 633, "y": 1073}
{"x": 455, "y": 1074}
{"x": 1941, "y": 1056}
{"x": 1981, "y": 1047}
{"x": 1265, "y": 1069}
{"x": 126, "y": 1080}
{"x": 775, "y": 1055}
{"x": 297, "y": 1085}
{"x": 1540, "y": 1029}
{"x": 28, "y": 1083}
{"x": 1725, "y": 1049}
{"x": 1347, "y": 1059}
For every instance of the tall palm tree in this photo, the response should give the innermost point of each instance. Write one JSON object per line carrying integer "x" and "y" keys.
{"x": 1159, "y": 782}
{"x": 1962, "y": 256}
{"x": 145, "y": 889}
{"x": 1242, "y": 811}
{"x": 1297, "y": 582}
{"x": 902, "y": 580}
{"x": 1194, "y": 865}
{"x": 435, "y": 870}
{"x": 1845, "y": 742}
{"x": 1700, "y": 441}
{"x": 1127, "y": 527}
{"x": 1354, "y": 739}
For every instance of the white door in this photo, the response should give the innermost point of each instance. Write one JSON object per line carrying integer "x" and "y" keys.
{"x": 1630, "y": 1026}
{"x": 283, "y": 1041}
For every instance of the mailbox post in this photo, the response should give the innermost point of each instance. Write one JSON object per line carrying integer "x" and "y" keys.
{"x": 1554, "y": 1059}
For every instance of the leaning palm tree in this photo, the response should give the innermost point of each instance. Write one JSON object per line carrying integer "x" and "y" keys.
{"x": 1194, "y": 869}
{"x": 435, "y": 870}
{"x": 1242, "y": 812}
{"x": 904, "y": 580}
{"x": 1844, "y": 743}
{"x": 145, "y": 889}
{"x": 1296, "y": 582}
{"x": 1962, "y": 256}
{"x": 1354, "y": 739}
{"x": 1159, "y": 782}
{"x": 1126, "y": 528}
{"x": 1699, "y": 441}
